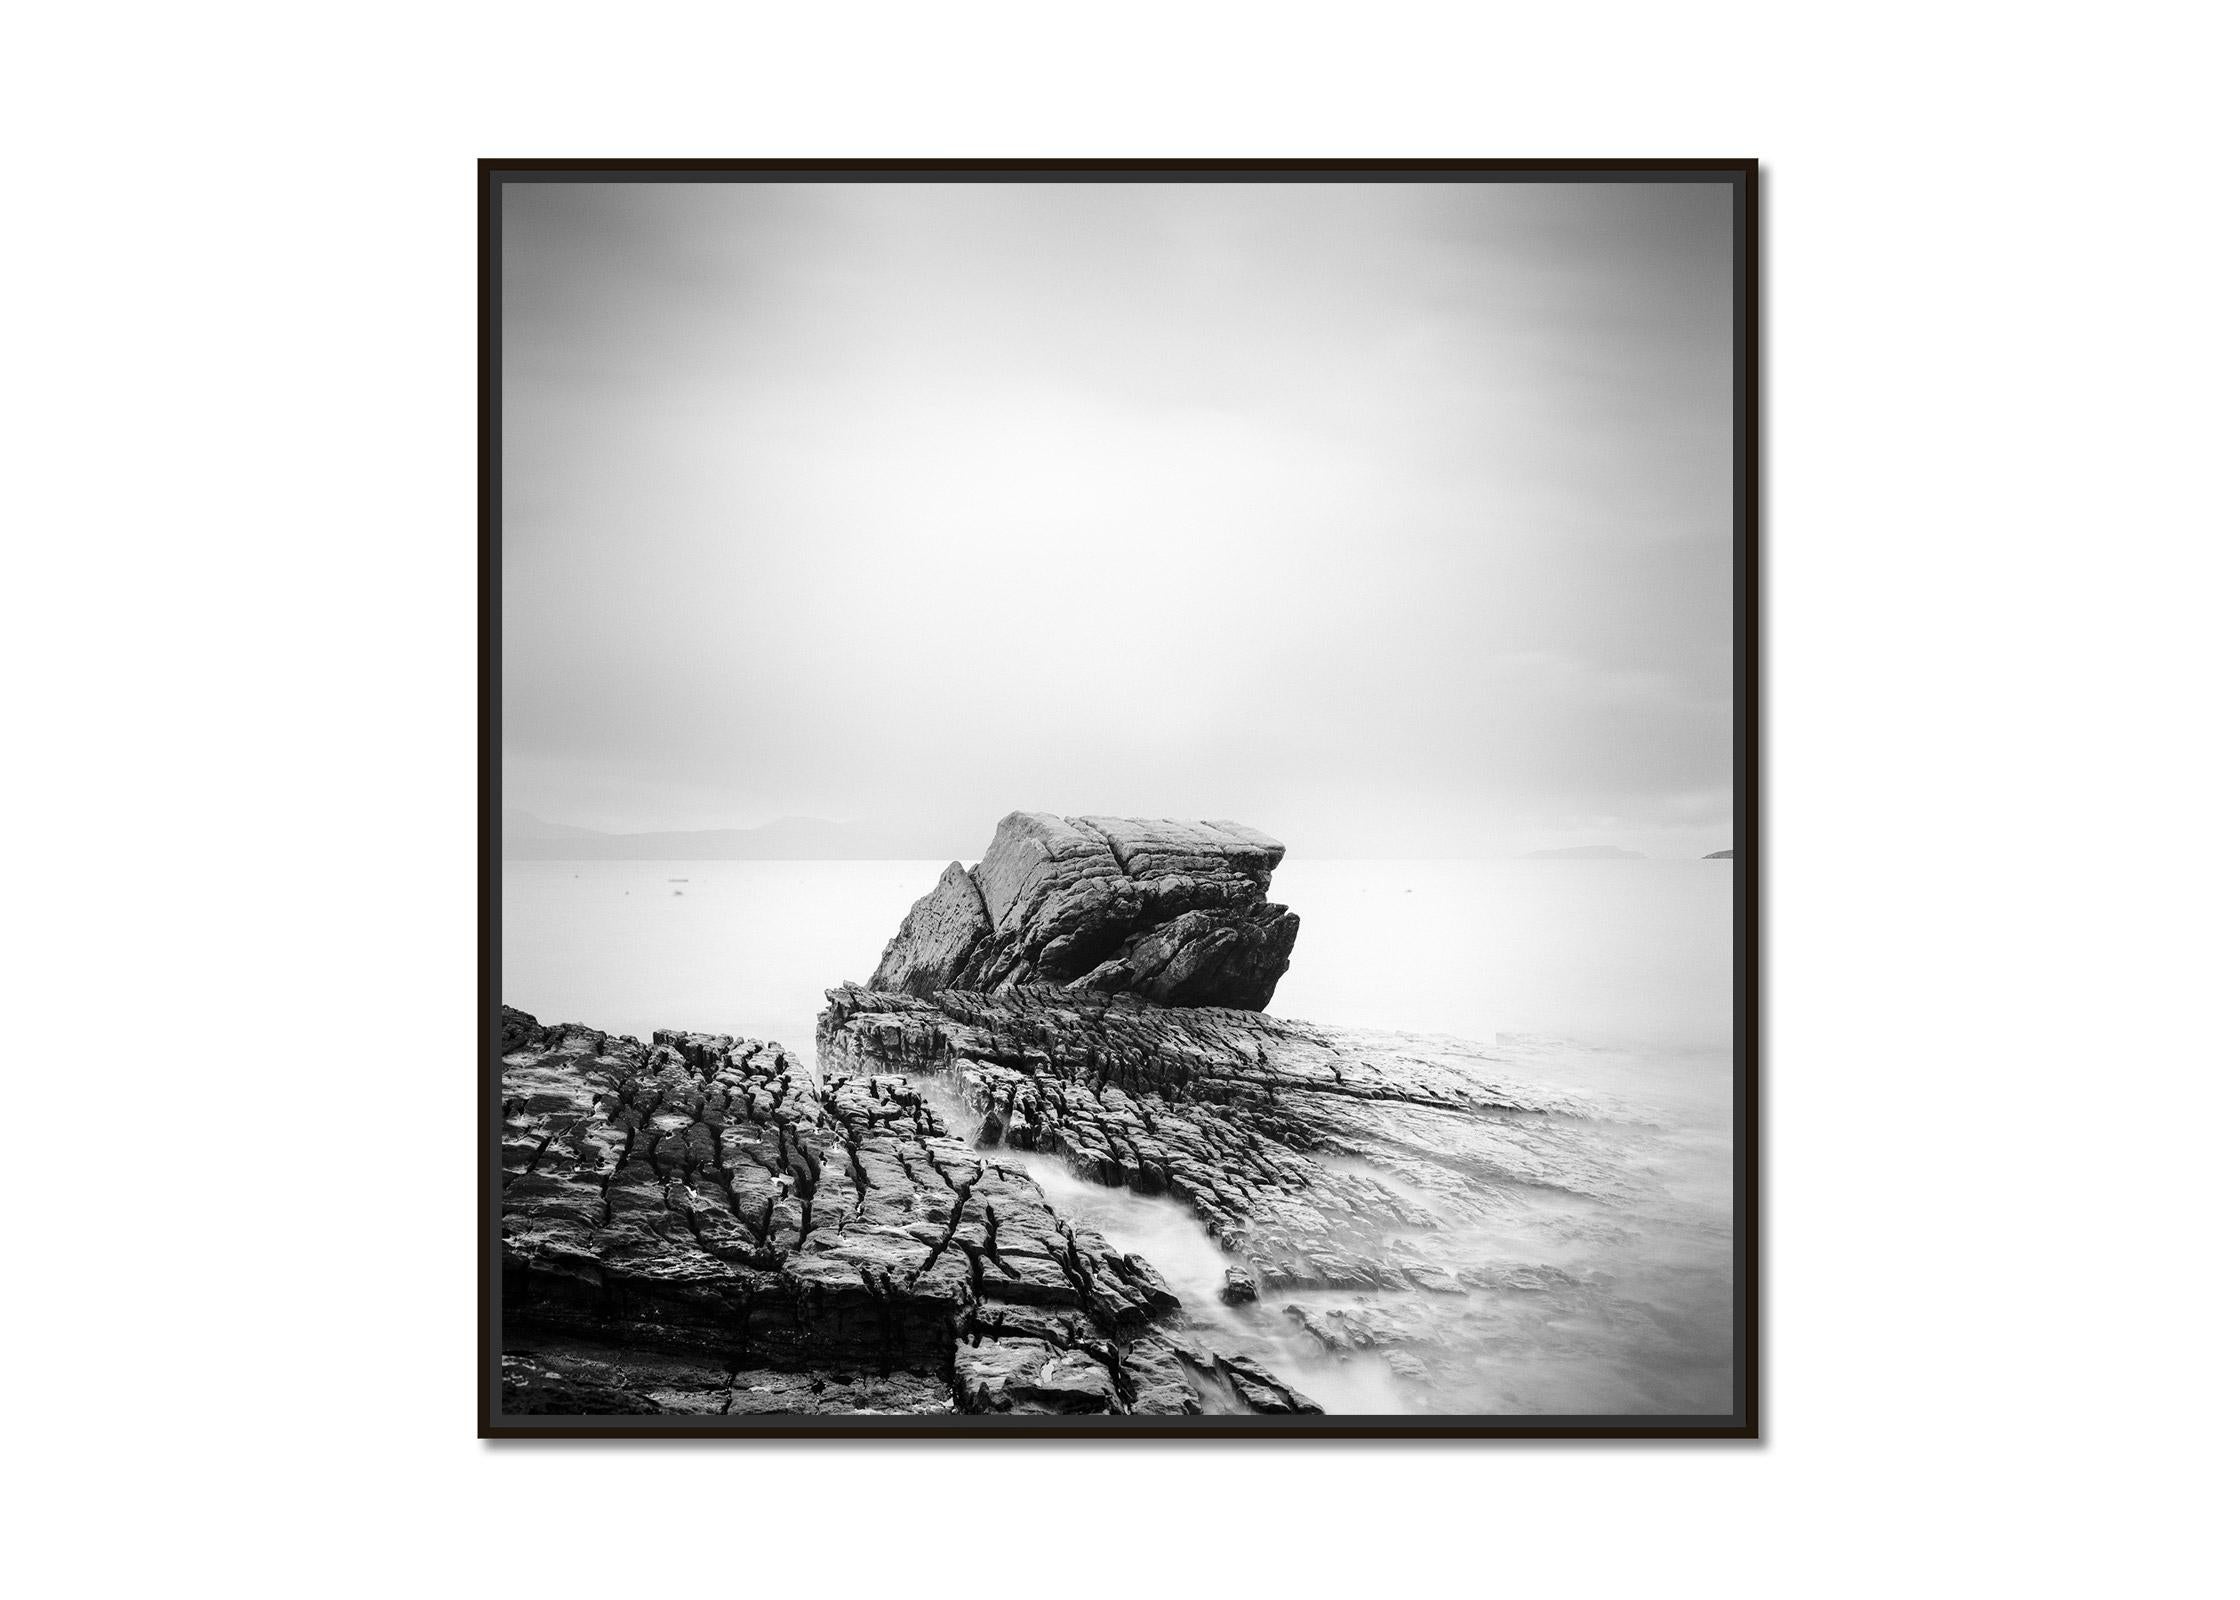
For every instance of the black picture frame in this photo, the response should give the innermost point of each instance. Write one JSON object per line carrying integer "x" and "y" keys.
{"x": 1745, "y": 1420}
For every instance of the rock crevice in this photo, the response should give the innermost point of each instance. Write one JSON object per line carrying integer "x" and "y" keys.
{"x": 704, "y": 1224}
{"x": 1303, "y": 1151}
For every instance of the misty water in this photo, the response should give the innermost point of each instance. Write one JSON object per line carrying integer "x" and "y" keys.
{"x": 1604, "y": 984}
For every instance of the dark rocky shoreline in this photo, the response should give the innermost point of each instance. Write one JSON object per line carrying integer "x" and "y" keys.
{"x": 709, "y": 1225}
{"x": 703, "y": 1225}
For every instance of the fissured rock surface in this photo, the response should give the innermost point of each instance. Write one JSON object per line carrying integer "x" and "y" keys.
{"x": 1371, "y": 1189}
{"x": 1177, "y": 912}
{"x": 704, "y": 1225}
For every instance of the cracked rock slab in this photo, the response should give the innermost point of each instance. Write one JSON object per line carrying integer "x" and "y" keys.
{"x": 1369, "y": 1187}
{"x": 1321, "y": 1158}
{"x": 705, "y": 1225}
{"x": 1171, "y": 910}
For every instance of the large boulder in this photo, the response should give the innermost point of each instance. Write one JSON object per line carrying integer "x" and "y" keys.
{"x": 1176, "y": 912}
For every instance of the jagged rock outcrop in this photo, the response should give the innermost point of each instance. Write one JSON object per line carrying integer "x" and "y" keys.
{"x": 1371, "y": 1188}
{"x": 704, "y": 1224}
{"x": 1302, "y": 1149}
{"x": 707, "y": 1224}
{"x": 1177, "y": 912}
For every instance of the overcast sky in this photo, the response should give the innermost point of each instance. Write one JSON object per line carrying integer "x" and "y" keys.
{"x": 1389, "y": 518}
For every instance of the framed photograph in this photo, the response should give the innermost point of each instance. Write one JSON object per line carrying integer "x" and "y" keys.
{"x": 1119, "y": 798}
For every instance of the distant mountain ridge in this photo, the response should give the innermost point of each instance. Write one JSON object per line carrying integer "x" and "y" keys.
{"x": 519, "y": 824}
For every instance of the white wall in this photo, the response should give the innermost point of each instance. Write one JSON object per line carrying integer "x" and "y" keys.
{"x": 241, "y": 634}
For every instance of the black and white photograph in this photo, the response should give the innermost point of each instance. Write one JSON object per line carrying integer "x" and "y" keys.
{"x": 1218, "y": 798}
{"x": 1119, "y": 799}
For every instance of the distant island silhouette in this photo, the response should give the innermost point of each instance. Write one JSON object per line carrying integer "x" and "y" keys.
{"x": 1720, "y": 855}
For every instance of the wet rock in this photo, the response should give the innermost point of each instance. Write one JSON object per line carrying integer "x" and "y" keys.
{"x": 1305, "y": 1151}
{"x": 1227, "y": 1382}
{"x": 1026, "y": 1375}
{"x": 1368, "y": 1177}
{"x": 704, "y": 1224}
{"x": 534, "y": 1385}
{"x": 843, "y": 1393}
{"x": 1163, "y": 1385}
{"x": 938, "y": 940}
{"x": 1174, "y": 911}
{"x": 1261, "y": 1389}
{"x": 1406, "y": 1366}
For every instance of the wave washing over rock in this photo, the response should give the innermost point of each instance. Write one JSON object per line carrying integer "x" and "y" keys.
{"x": 704, "y": 1224}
